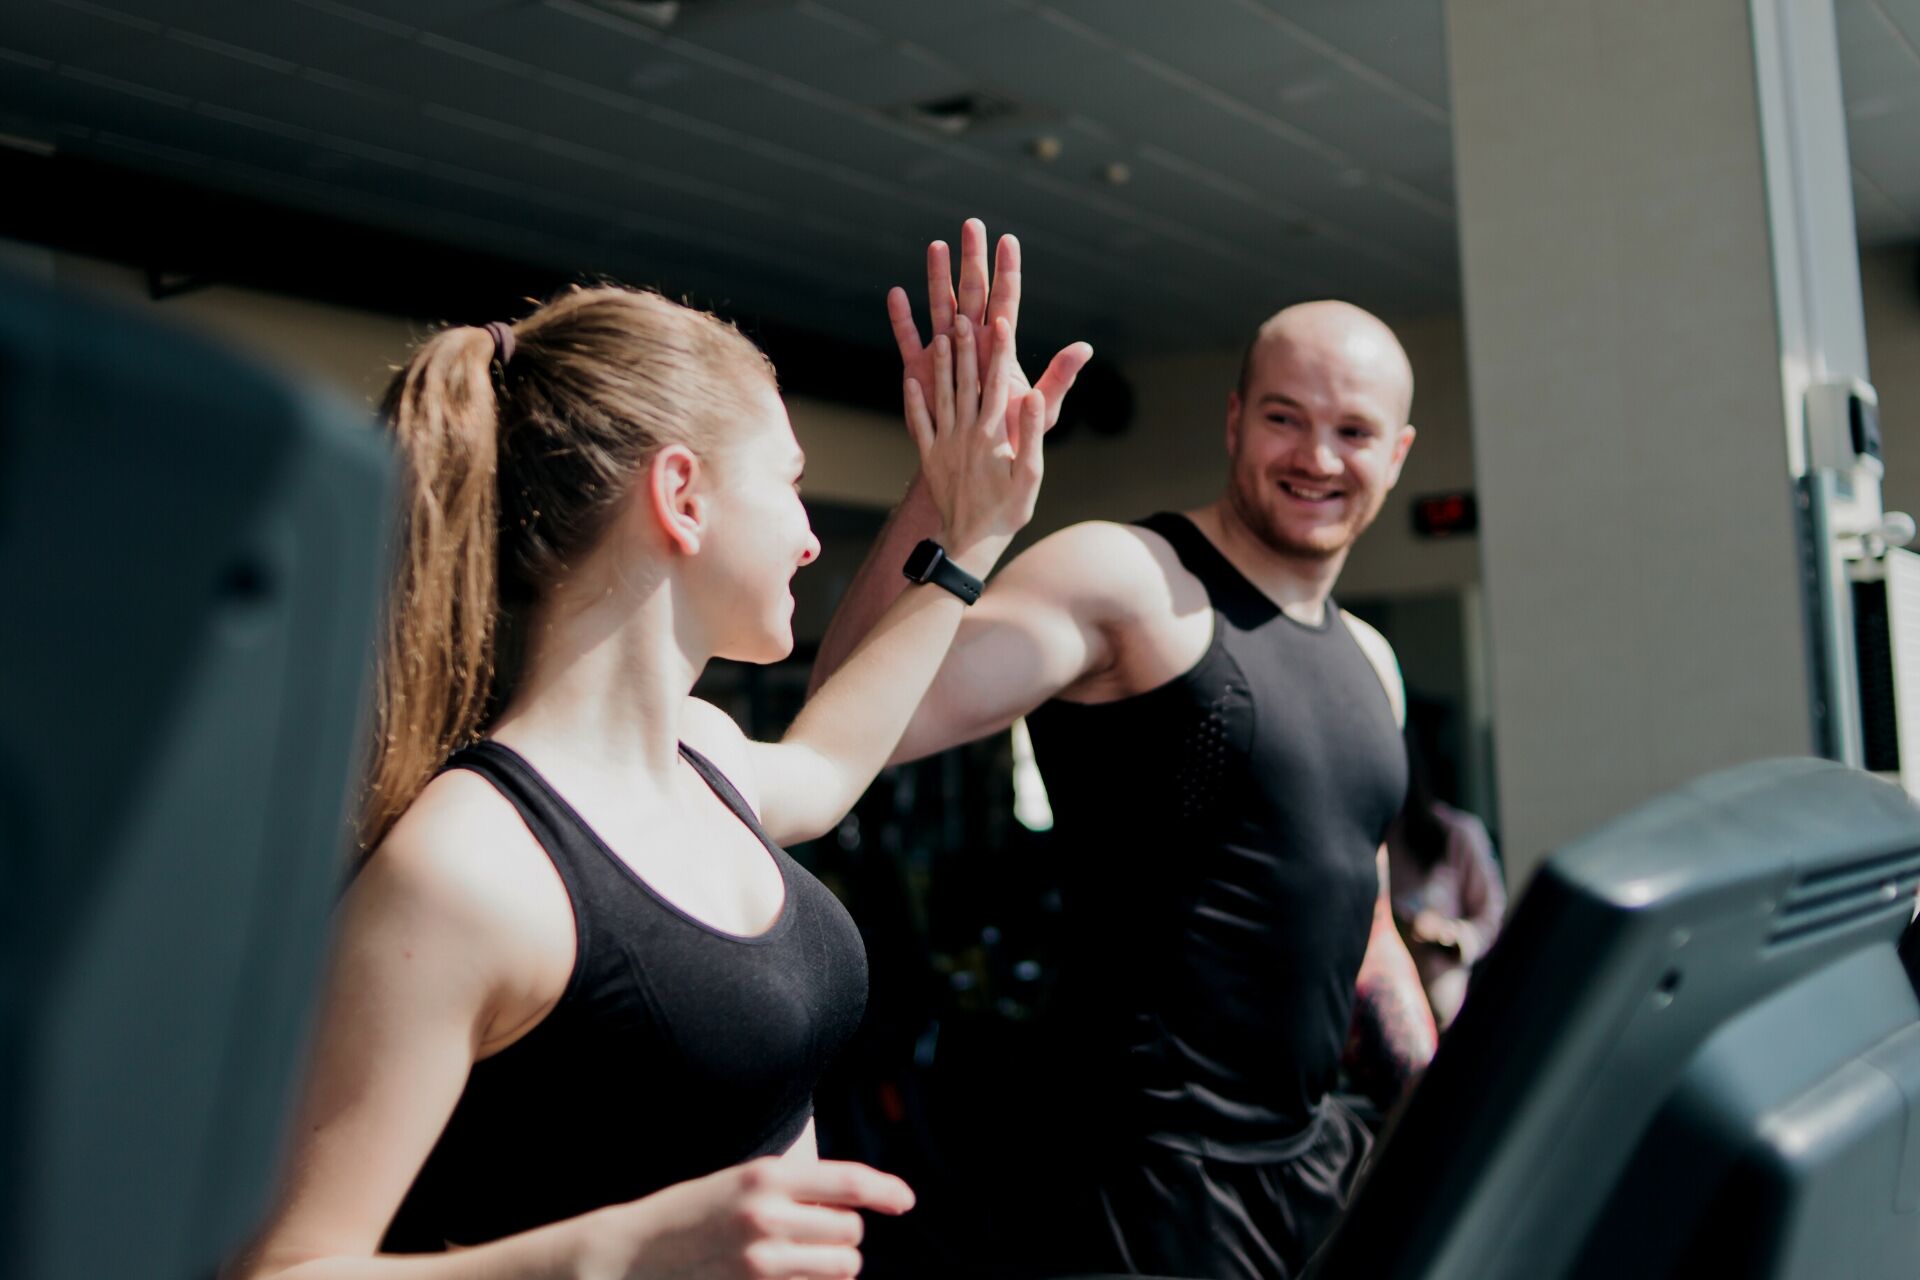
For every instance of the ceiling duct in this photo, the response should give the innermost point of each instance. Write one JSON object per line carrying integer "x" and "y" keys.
{"x": 959, "y": 113}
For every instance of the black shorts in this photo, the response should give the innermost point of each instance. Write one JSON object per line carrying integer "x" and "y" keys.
{"x": 1155, "y": 1210}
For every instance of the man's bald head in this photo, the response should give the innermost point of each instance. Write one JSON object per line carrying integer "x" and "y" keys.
{"x": 1333, "y": 330}
{"x": 1317, "y": 430}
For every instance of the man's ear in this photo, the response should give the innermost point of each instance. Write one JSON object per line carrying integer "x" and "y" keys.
{"x": 1233, "y": 422}
{"x": 674, "y": 490}
{"x": 1400, "y": 448}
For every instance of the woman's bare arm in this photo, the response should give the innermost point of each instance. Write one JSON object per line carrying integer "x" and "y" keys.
{"x": 449, "y": 935}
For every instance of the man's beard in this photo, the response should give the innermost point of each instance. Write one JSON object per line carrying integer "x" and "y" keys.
{"x": 1242, "y": 495}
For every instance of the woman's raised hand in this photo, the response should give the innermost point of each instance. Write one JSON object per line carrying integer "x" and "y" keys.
{"x": 982, "y": 301}
{"x": 979, "y": 441}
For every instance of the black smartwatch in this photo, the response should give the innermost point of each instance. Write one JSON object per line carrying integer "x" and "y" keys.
{"x": 928, "y": 563}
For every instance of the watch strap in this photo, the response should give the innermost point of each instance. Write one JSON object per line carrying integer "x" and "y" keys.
{"x": 929, "y": 563}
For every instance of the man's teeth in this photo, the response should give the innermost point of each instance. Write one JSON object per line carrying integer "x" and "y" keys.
{"x": 1311, "y": 495}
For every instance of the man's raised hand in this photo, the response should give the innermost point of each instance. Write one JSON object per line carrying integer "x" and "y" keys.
{"x": 983, "y": 300}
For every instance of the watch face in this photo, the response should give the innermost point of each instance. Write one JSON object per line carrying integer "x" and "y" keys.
{"x": 921, "y": 560}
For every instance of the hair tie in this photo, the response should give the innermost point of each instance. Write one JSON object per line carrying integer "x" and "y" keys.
{"x": 502, "y": 335}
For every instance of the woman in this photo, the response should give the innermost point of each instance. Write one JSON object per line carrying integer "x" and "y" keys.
{"x": 579, "y": 997}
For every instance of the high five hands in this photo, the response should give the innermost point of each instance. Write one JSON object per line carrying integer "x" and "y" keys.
{"x": 979, "y": 440}
{"x": 981, "y": 304}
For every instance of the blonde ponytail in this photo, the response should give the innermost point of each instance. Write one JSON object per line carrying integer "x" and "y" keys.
{"x": 436, "y": 651}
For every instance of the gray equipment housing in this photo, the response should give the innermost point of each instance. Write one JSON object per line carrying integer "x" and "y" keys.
{"x": 192, "y": 550}
{"x": 1695, "y": 1051}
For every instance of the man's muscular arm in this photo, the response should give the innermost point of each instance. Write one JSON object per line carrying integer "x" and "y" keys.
{"x": 1044, "y": 623}
{"x": 1393, "y": 1036}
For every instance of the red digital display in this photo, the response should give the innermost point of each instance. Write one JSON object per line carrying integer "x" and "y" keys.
{"x": 1445, "y": 515}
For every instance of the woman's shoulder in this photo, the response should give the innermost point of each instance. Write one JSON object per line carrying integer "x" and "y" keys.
{"x": 718, "y": 737}
{"x": 461, "y": 867}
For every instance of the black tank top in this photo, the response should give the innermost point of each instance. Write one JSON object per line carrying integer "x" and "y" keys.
{"x": 675, "y": 1050}
{"x": 1221, "y": 832}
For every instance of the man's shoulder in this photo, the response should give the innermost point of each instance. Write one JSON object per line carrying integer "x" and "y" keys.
{"x": 1385, "y": 664}
{"x": 1102, "y": 538}
{"x": 1368, "y": 637}
{"x": 1127, "y": 584}
{"x": 1120, "y": 577}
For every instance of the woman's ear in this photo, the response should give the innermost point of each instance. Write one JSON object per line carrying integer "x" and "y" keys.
{"x": 674, "y": 489}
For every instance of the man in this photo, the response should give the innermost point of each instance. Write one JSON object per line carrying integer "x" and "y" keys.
{"x": 1222, "y": 751}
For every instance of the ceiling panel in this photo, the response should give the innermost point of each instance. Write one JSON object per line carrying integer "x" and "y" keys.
{"x": 1882, "y": 139}
{"x": 792, "y": 118}
{"x": 335, "y": 108}
{"x": 561, "y": 41}
{"x": 557, "y": 42}
{"x": 1402, "y": 41}
{"x": 1881, "y": 221}
{"x": 889, "y": 78}
{"x": 438, "y": 69}
{"x": 1282, "y": 175}
{"x": 1434, "y": 181}
{"x": 158, "y": 13}
{"x": 933, "y": 25}
{"x": 1211, "y": 39}
{"x": 1873, "y": 65}
{"x": 1884, "y": 147}
{"x": 780, "y": 35}
{"x": 1267, "y": 149}
{"x": 191, "y": 70}
{"x": 61, "y": 33}
{"x": 1418, "y": 243}
{"x": 296, "y": 32}
{"x": 1274, "y": 242}
{"x": 428, "y": 15}
{"x": 1368, "y": 130}
{"x": 1905, "y": 16}
{"x": 271, "y": 145}
{"x": 71, "y": 97}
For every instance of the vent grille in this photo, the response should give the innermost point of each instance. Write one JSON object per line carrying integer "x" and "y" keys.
{"x": 1837, "y": 898}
